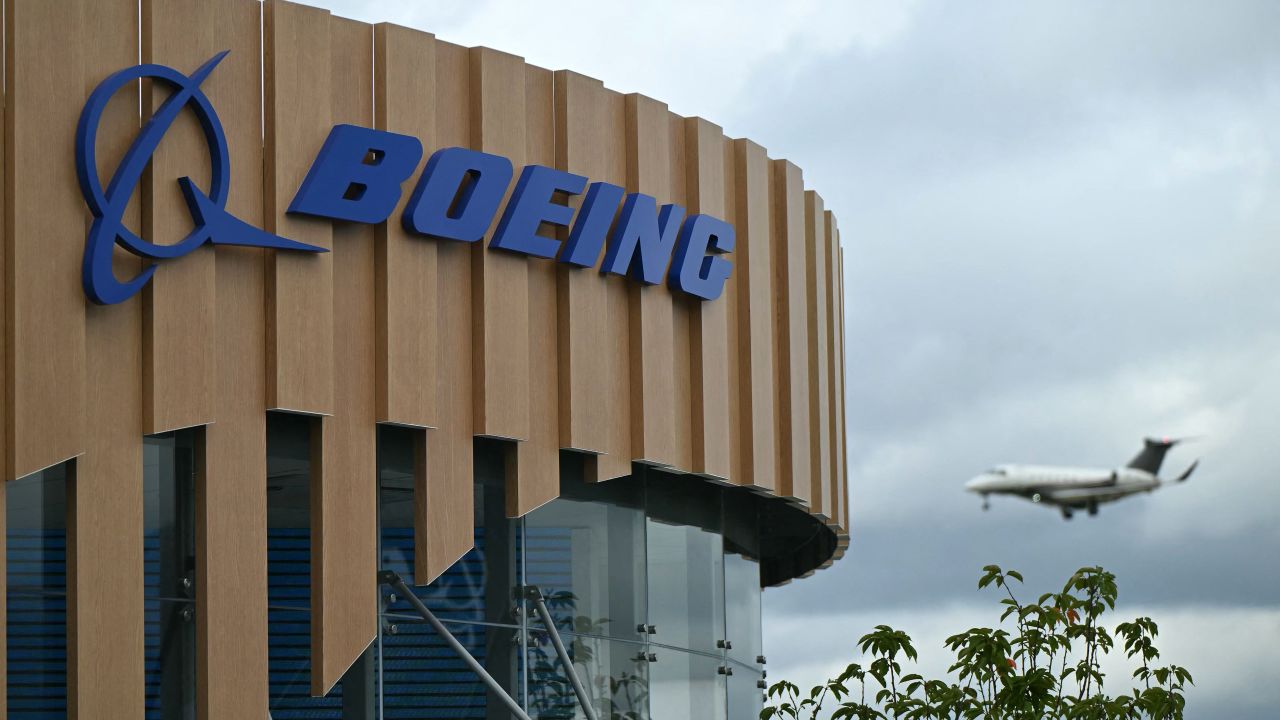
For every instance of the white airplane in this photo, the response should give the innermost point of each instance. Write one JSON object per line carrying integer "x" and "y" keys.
{"x": 1073, "y": 488}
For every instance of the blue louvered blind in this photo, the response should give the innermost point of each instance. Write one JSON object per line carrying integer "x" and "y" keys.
{"x": 37, "y": 624}
{"x": 289, "y": 628}
{"x": 422, "y": 678}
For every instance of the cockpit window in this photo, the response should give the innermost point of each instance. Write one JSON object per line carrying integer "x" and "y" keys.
{"x": 996, "y": 471}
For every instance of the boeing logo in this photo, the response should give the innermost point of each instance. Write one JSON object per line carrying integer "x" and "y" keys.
{"x": 358, "y": 177}
{"x": 208, "y": 211}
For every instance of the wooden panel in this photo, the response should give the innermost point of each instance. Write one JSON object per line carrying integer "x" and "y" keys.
{"x": 44, "y": 231}
{"x": 588, "y": 142}
{"x": 177, "y": 306}
{"x": 104, "y": 502}
{"x": 299, "y": 284}
{"x": 792, "y": 332}
{"x": 533, "y": 467}
{"x": 729, "y": 299}
{"x": 835, "y": 371}
{"x": 4, "y": 599}
{"x": 231, "y": 499}
{"x": 753, "y": 278}
{"x": 841, "y": 397}
{"x": 4, "y": 395}
{"x": 819, "y": 341}
{"x": 404, "y": 86}
{"x": 653, "y": 397}
{"x": 443, "y": 529}
{"x": 500, "y": 282}
{"x": 708, "y": 321}
{"x": 681, "y": 307}
{"x": 614, "y": 354}
{"x": 344, "y": 510}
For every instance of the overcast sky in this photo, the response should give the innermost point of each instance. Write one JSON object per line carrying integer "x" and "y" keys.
{"x": 1062, "y": 232}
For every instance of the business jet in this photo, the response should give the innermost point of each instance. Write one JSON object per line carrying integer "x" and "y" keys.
{"x": 1072, "y": 488}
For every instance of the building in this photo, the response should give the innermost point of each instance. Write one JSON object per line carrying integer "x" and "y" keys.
{"x": 498, "y": 370}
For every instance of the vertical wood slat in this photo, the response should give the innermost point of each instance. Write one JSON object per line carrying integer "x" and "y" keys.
{"x": 841, "y": 399}
{"x": 708, "y": 322}
{"x": 834, "y": 372}
{"x": 443, "y": 529}
{"x": 44, "y": 232}
{"x": 299, "y": 284}
{"x": 177, "y": 304}
{"x": 231, "y": 499}
{"x": 584, "y": 146}
{"x": 653, "y": 397}
{"x": 105, "y": 653}
{"x": 681, "y": 308}
{"x": 345, "y": 509}
{"x": 533, "y": 474}
{"x": 5, "y": 415}
{"x": 753, "y": 277}
{"x": 404, "y": 88}
{"x": 500, "y": 281}
{"x": 614, "y": 353}
{"x": 819, "y": 341}
{"x": 730, "y": 300}
{"x": 791, "y": 354}
{"x": 4, "y": 598}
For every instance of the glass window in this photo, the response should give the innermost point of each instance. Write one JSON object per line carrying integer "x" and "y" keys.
{"x": 742, "y": 590}
{"x": 685, "y": 563}
{"x": 745, "y": 697}
{"x": 686, "y": 597}
{"x": 36, "y": 592}
{"x": 586, "y": 553}
{"x": 289, "y": 440}
{"x": 169, "y": 565}
{"x": 686, "y": 685}
{"x": 421, "y": 677}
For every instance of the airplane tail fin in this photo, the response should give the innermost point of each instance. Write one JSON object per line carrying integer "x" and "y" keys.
{"x": 1152, "y": 455}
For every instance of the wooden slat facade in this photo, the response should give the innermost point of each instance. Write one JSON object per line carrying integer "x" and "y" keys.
{"x": 452, "y": 340}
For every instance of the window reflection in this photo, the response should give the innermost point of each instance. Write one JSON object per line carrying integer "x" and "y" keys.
{"x": 36, "y": 593}
{"x": 421, "y": 677}
{"x": 289, "y": 441}
{"x": 169, "y": 575}
{"x": 586, "y": 554}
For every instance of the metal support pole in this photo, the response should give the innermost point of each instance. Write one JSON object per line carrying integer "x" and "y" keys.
{"x": 389, "y": 577}
{"x": 534, "y": 595}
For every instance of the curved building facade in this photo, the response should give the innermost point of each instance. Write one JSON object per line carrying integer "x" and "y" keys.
{"x": 350, "y": 373}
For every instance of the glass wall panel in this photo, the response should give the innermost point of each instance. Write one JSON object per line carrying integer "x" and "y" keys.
{"x": 420, "y": 676}
{"x": 36, "y": 592}
{"x": 586, "y": 554}
{"x": 686, "y": 685}
{"x": 745, "y": 697}
{"x": 614, "y": 673}
{"x": 169, "y": 554}
{"x": 686, "y": 563}
{"x": 289, "y": 442}
{"x": 742, "y": 580}
{"x": 686, "y": 596}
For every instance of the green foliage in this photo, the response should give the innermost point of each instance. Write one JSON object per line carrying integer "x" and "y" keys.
{"x": 1049, "y": 668}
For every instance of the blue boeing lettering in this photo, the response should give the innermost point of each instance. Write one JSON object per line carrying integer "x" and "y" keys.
{"x": 641, "y": 247}
{"x": 698, "y": 267}
{"x": 458, "y": 195}
{"x": 358, "y": 176}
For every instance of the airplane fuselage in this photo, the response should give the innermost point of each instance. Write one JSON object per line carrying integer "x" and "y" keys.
{"x": 1069, "y": 488}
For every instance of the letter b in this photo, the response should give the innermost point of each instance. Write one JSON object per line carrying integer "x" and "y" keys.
{"x": 357, "y": 175}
